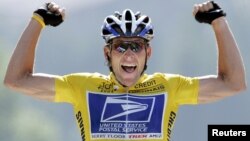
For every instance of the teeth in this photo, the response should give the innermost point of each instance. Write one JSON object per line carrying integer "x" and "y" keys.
{"x": 129, "y": 65}
{"x": 129, "y": 68}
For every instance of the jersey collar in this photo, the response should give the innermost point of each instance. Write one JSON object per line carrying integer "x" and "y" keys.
{"x": 113, "y": 79}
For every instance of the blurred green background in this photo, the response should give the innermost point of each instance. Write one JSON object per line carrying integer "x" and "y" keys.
{"x": 181, "y": 45}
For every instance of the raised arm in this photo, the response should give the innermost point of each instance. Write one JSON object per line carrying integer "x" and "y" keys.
{"x": 230, "y": 78}
{"x": 20, "y": 74}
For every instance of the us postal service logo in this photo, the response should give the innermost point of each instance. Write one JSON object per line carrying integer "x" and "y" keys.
{"x": 126, "y": 116}
{"x": 127, "y": 109}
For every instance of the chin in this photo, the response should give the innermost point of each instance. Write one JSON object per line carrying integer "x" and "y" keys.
{"x": 128, "y": 84}
{"x": 129, "y": 81}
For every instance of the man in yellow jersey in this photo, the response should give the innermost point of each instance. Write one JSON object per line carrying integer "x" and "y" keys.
{"x": 127, "y": 104}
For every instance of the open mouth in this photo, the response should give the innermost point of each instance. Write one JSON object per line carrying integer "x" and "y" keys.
{"x": 129, "y": 68}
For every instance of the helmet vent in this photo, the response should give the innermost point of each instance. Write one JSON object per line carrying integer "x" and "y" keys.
{"x": 109, "y": 20}
{"x": 105, "y": 32}
{"x": 146, "y": 20}
{"x": 118, "y": 15}
{"x": 128, "y": 16}
{"x": 137, "y": 15}
{"x": 128, "y": 28}
{"x": 150, "y": 31}
{"x": 139, "y": 29}
{"x": 117, "y": 28}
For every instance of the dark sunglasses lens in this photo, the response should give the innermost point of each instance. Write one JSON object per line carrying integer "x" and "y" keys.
{"x": 121, "y": 48}
{"x": 134, "y": 46}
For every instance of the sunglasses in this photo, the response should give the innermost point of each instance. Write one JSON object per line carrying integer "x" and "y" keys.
{"x": 135, "y": 46}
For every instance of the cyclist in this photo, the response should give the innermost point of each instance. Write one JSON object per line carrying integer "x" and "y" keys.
{"x": 128, "y": 103}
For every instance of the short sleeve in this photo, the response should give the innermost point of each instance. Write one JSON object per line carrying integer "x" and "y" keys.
{"x": 67, "y": 87}
{"x": 187, "y": 91}
{"x": 63, "y": 90}
{"x": 184, "y": 90}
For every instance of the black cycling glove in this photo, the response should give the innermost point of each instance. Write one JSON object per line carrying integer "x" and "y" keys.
{"x": 209, "y": 16}
{"x": 49, "y": 18}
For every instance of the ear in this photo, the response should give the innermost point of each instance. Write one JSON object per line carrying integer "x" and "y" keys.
{"x": 106, "y": 52}
{"x": 149, "y": 52}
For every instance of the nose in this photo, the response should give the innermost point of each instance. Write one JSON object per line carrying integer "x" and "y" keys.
{"x": 129, "y": 54}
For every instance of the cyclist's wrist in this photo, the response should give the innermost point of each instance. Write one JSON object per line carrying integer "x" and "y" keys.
{"x": 39, "y": 19}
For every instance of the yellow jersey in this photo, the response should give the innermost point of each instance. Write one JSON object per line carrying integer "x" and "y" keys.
{"x": 106, "y": 110}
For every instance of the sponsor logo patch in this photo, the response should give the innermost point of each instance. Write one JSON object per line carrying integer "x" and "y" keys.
{"x": 126, "y": 116}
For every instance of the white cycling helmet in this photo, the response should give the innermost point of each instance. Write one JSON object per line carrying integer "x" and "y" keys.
{"x": 127, "y": 24}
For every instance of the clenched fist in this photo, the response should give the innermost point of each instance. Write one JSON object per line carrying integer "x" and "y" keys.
{"x": 207, "y": 12}
{"x": 51, "y": 13}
